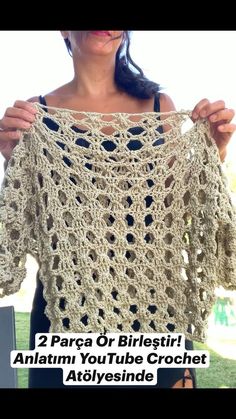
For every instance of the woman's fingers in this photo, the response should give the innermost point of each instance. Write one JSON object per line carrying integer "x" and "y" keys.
{"x": 204, "y": 108}
{"x": 5, "y": 136}
{"x": 20, "y": 113}
{"x": 227, "y": 128}
{"x": 13, "y": 123}
{"x": 200, "y": 105}
{"x": 18, "y": 117}
{"x": 222, "y": 115}
{"x": 27, "y": 106}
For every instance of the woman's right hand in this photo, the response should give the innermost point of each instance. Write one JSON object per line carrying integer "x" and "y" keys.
{"x": 16, "y": 119}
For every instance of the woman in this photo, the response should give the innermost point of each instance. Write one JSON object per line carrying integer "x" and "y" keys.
{"x": 103, "y": 82}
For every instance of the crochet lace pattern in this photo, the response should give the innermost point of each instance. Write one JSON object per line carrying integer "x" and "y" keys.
{"x": 132, "y": 228}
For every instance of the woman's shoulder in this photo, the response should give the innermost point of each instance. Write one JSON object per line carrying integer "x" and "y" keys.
{"x": 55, "y": 93}
{"x": 166, "y": 103}
{"x": 33, "y": 99}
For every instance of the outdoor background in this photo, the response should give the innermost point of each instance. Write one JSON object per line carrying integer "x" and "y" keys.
{"x": 190, "y": 66}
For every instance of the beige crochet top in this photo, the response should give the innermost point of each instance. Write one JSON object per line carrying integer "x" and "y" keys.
{"x": 130, "y": 237}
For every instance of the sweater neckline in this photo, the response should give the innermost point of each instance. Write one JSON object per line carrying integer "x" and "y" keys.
{"x": 123, "y": 121}
{"x": 182, "y": 112}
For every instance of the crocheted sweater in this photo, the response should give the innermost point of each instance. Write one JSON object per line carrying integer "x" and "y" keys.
{"x": 132, "y": 229}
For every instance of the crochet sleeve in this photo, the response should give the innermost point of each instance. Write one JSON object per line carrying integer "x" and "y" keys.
{"x": 17, "y": 215}
{"x": 226, "y": 236}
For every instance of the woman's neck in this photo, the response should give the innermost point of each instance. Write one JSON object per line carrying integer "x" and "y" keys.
{"x": 94, "y": 78}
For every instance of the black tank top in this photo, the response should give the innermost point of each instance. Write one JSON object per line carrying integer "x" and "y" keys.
{"x": 108, "y": 145}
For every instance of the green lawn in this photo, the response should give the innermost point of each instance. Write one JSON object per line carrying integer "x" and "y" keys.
{"x": 221, "y": 373}
{"x": 22, "y": 342}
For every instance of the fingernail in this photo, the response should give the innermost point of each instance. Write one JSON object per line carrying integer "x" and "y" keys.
{"x": 32, "y": 109}
{"x": 26, "y": 125}
{"x": 15, "y": 135}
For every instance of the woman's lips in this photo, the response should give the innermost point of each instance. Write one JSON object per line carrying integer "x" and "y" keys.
{"x": 100, "y": 33}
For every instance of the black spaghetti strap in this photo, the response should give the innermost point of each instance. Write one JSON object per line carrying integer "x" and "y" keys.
{"x": 42, "y": 101}
{"x": 157, "y": 109}
{"x": 157, "y": 103}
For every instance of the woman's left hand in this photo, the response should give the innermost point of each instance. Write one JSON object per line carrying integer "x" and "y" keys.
{"x": 220, "y": 119}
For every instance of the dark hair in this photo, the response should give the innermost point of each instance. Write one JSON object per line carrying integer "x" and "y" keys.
{"x": 128, "y": 75}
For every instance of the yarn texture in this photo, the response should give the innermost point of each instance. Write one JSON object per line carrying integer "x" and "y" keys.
{"x": 133, "y": 229}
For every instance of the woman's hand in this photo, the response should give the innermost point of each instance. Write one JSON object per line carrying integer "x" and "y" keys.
{"x": 220, "y": 119}
{"x": 16, "y": 118}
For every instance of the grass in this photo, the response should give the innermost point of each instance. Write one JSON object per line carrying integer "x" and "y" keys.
{"x": 220, "y": 374}
{"x": 22, "y": 342}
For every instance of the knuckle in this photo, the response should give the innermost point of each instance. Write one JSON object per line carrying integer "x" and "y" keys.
{"x": 28, "y": 116}
{"x": 8, "y": 135}
{"x": 222, "y": 103}
{"x": 11, "y": 113}
{"x": 20, "y": 115}
{"x": 205, "y": 102}
{"x": 25, "y": 113}
{"x": 14, "y": 135}
{"x": 23, "y": 124}
{"x": 3, "y": 123}
{"x": 197, "y": 108}
{"x": 7, "y": 111}
{"x": 4, "y": 135}
{"x": 202, "y": 104}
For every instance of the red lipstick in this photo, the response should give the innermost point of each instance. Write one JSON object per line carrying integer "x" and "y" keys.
{"x": 100, "y": 33}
